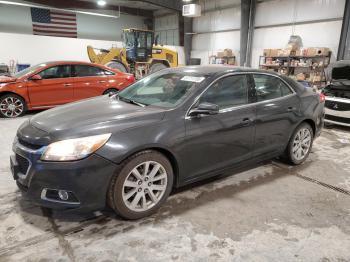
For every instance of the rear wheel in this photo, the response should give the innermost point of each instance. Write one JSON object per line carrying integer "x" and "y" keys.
{"x": 12, "y": 106}
{"x": 300, "y": 144}
{"x": 141, "y": 186}
{"x": 117, "y": 65}
{"x": 157, "y": 67}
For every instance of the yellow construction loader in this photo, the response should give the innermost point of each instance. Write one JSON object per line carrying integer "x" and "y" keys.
{"x": 140, "y": 54}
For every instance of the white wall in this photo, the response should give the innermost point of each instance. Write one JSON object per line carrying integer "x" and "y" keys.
{"x": 268, "y": 13}
{"x": 167, "y": 27}
{"x": 321, "y": 34}
{"x": 33, "y": 49}
{"x": 206, "y": 43}
{"x": 17, "y": 19}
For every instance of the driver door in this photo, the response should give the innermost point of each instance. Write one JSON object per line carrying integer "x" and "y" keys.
{"x": 214, "y": 142}
{"x": 55, "y": 87}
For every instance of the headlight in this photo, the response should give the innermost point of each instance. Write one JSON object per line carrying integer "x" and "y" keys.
{"x": 74, "y": 149}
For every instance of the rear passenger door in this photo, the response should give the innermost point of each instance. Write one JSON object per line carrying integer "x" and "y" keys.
{"x": 90, "y": 81}
{"x": 277, "y": 109}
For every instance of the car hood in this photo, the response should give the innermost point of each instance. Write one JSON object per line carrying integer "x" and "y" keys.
{"x": 7, "y": 79}
{"x": 98, "y": 115}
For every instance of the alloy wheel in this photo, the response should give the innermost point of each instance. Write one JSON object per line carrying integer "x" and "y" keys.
{"x": 301, "y": 144}
{"x": 11, "y": 106}
{"x": 144, "y": 186}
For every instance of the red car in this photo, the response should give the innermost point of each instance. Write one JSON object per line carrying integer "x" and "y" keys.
{"x": 55, "y": 83}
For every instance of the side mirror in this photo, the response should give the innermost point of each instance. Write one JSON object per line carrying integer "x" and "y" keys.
{"x": 35, "y": 77}
{"x": 204, "y": 109}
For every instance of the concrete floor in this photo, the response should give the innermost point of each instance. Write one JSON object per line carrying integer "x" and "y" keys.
{"x": 270, "y": 213}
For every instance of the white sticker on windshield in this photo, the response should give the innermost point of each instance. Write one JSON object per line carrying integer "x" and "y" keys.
{"x": 196, "y": 79}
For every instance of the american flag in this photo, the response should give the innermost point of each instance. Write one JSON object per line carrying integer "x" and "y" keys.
{"x": 53, "y": 23}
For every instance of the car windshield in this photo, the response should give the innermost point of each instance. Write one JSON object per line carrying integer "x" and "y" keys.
{"x": 29, "y": 70}
{"x": 161, "y": 89}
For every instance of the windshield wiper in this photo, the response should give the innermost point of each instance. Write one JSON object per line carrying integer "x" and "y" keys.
{"x": 130, "y": 101}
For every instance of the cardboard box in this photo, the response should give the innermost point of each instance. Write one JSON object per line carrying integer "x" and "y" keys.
{"x": 220, "y": 54}
{"x": 317, "y": 51}
{"x": 228, "y": 52}
{"x": 267, "y": 52}
{"x": 275, "y": 52}
{"x": 284, "y": 52}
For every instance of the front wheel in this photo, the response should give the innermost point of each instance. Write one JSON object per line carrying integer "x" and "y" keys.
{"x": 300, "y": 144}
{"x": 12, "y": 106}
{"x": 141, "y": 186}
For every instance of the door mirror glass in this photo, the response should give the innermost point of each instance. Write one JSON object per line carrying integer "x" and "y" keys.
{"x": 204, "y": 109}
{"x": 35, "y": 77}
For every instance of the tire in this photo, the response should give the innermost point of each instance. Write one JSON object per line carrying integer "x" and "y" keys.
{"x": 117, "y": 65}
{"x": 135, "y": 198}
{"x": 297, "y": 152}
{"x": 12, "y": 106}
{"x": 110, "y": 91}
{"x": 157, "y": 67}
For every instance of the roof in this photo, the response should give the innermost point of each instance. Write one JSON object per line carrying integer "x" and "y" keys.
{"x": 66, "y": 62}
{"x": 216, "y": 69}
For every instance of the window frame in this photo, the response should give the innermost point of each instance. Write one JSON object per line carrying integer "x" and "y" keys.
{"x": 248, "y": 93}
{"x": 252, "y": 98}
{"x": 293, "y": 92}
{"x": 46, "y": 68}
{"x": 102, "y": 69}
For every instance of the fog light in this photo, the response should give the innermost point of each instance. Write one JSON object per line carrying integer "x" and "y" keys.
{"x": 63, "y": 195}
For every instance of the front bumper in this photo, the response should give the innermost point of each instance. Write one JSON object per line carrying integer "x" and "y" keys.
{"x": 86, "y": 180}
{"x": 337, "y": 117}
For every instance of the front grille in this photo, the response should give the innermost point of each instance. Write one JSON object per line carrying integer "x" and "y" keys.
{"x": 29, "y": 145}
{"x": 338, "y": 119}
{"x": 23, "y": 164}
{"x": 338, "y": 106}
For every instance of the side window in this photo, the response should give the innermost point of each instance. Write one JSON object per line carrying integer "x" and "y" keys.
{"x": 61, "y": 71}
{"x": 227, "y": 92}
{"x": 108, "y": 73}
{"x": 85, "y": 70}
{"x": 269, "y": 87}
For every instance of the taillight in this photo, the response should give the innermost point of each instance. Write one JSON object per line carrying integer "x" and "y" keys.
{"x": 131, "y": 78}
{"x": 322, "y": 97}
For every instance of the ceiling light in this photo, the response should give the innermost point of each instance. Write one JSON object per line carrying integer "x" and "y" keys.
{"x": 101, "y": 2}
{"x": 186, "y": 1}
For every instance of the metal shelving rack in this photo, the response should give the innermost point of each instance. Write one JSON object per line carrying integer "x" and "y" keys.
{"x": 228, "y": 60}
{"x": 285, "y": 64}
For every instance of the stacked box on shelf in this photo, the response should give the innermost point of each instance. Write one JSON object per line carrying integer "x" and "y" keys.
{"x": 310, "y": 62}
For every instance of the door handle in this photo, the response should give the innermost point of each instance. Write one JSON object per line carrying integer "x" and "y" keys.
{"x": 246, "y": 121}
{"x": 291, "y": 109}
{"x": 102, "y": 81}
{"x": 67, "y": 84}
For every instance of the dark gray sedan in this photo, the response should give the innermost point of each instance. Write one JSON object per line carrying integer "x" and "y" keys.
{"x": 172, "y": 128}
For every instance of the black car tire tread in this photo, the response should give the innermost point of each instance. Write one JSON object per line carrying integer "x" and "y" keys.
{"x": 114, "y": 195}
{"x": 288, "y": 155}
{"x": 18, "y": 97}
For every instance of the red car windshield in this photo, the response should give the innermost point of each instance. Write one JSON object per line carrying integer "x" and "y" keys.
{"x": 29, "y": 70}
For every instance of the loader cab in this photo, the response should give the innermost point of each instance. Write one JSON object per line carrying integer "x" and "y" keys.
{"x": 138, "y": 44}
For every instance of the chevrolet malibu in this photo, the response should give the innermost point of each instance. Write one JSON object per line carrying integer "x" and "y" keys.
{"x": 55, "y": 83}
{"x": 172, "y": 128}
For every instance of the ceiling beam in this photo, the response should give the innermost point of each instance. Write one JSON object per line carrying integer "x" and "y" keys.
{"x": 77, "y": 4}
{"x": 175, "y": 5}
